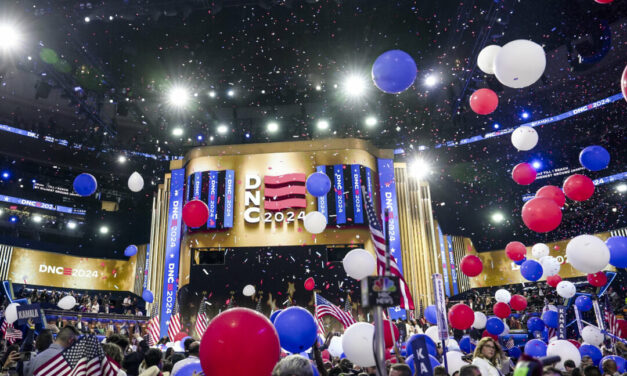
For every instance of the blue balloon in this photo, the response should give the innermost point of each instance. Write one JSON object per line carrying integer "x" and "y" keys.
{"x": 592, "y": 351}
{"x": 514, "y": 352}
{"x": 318, "y": 184}
{"x": 297, "y": 329}
{"x": 274, "y": 314}
{"x": 315, "y": 370}
{"x": 410, "y": 362}
{"x": 594, "y": 158}
{"x": 466, "y": 345}
{"x": 583, "y": 303}
{"x": 618, "y": 251}
{"x": 85, "y": 184}
{"x": 190, "y": 369}
{"x": 131, "y": 250}
{"x": 494, "y": 326}
{"x": 342, "y": 356}
{"x": 531, "y": 270}
{"x": 431, "y": 314}
{"x": 620, "y": 362}
{"x": 551, "y": 319}
{"x": 147, "y": 296}
{"x": 394, "y": 71}
{"x": 535, "y": 324}
{"x": 431, "y": 348}
{"x": 521, "y": 261}
{"x": 535, "y": 348}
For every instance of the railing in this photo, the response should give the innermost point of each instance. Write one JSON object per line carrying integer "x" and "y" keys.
{"x": 85, "y": 316}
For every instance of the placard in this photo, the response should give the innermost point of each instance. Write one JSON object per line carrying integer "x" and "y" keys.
{"x": 422, "y": 362}
{"x": 440, "y": 305}
{"x": 31, "y": 312}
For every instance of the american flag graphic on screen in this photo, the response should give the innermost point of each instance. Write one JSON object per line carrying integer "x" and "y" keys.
{"x": 284, "y": 191}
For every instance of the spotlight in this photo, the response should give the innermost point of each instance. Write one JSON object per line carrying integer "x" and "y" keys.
{"x": 230, "y": 93}
{"x": 177, "y": 132}
{"x": 273, "y": 126}
{"x": 370, "y": 121}
{"x": 419, "y": 169}
{"x": 71, "y": 225}
{"x": 496, "y": 126}
{"x": 37, "y": 219}
{"x": 498, "y": 217}
{"x": 1, "y": 212}
{"x": 431, "y": 80}
{"x": 318, "y": 87}
{"x": 212, "y": 94}
{"x": 121, "y": 159}
{"x": 536, "y": 165}
{"x": 322, "y": 125}
{"x": 222, "y": 129}
{"x": 354, "y": 86}
{"x": 525, "y": 115}
{"x": 199, "y": 137}
{"x": 6, "y": 174}
{"x": 621, "y": 187}
{"x": 87, "y": 19}
{"x": 13, "y": 219}
{"x": 178, "y": 96}
{"x": 9, "y": 37}
{"x": 104, "y": 230}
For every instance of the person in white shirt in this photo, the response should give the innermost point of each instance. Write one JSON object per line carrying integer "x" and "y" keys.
{"x": 487, "y": 357}
{"x": 127, "y": 304}
{"x": 194, "y": 348}
{"x": 95, "y": 307}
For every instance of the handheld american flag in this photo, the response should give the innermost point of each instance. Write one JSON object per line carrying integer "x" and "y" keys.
{"x": 174, "y": 326}
{"x": 153, "y": 327}
{"x": 378, "y": 239}
{"x": 201, "y": 320}
{"x": 324, "y": 307}
{"x": 83, "y": 358}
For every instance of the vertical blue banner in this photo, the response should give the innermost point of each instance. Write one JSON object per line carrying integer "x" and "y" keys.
{"x": 358, "y": 211}
{"x": 322, "y": 201}
{"x": 443, "y": 256}
{"x": 340, "y": 205}
{"x": 197, "y": 185}
{"x": 213, "y": 199}
{"x": 146, "y": 266}
{"x": 369, "y": 180}
{"x": 228, "y": 198}
{"x": 172, "y": 248}
{"x": 387, "y": 187}
{"x": 561, "y": 332}
{"x": 188, "y": 188}
{"x": 422, "y": 362}
{"x": 451, "y": 260}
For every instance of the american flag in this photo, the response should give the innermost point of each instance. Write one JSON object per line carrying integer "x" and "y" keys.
{"x": 378, "y": 239}
{"x": 83, "y": 358}
{"x": 324, "y": 307}
{"x": 13, "y": 334}
{"x": 509, "y": 344}
{"x": 174, "y": 326}
{"x": 153, "y": 327}
{"x": 202, "y": 321}
{"x": 552, "y": 332}
{"x": 612, "y": 323}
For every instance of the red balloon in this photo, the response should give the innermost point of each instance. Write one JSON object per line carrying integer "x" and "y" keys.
{"x": 310, "y": 284}
{"x": 471, "y": 265}
{"x": 239, "y": 334}
{"x": 179, "y": 336}
{"x": 518, "y": 302}
{"x": 604, "y": 1}
{"x": 502, "y": 310}
{"x": 577, "y": 344}
{"x": 484, "y": 101}
{"x": 578, "y": 187}
{"x": 524, "y": 174}
{"x": 622, "y": 324}
{"x": 516, "y": 251}
{"x": 597, "y": 279}
{"x": 623, "y": 83}
{"x": 553, "y": 280}
{"x": 461, "y": 316}
{"x": 487, "y": 334}
{"x": 541, "y": 214}
{"x": 387, "y": 333}
{"x": 326, "y": 355}
{"x": 554, "y": 193}
{"x": 195, "y": 213}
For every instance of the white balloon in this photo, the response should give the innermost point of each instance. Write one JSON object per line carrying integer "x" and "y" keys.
{"x": 135, "y": 182}
{"x": 249, "y": 290}
{"x": 485, "y": 60}
{"x": 505, "y": 331}
{"x": 10, "y": 313}
{"x": 565, "y": 350}
{"x": 432, "y": 332}
{"x": 503, "y": 296}
{"x": 539, "y": 250}
{"x": 524, "y": 138}
{"x": 452, "y": 345}
{"x": 552, "y": 307}
{"x": 335, "y": 347}
{"x": 592, "y": 335}
{"x": 566, "y": 289}
{"x": 550, "y": 266}
{"x": 359, "y": 263}
{"x": 587, "y": 253}
{"x": 455, "y": 362}
{"x": 480, "y": 320}
{"x": 357, "y": 344}
{"x": 67, "y": 302}
{"x": 519, "y": 63}
{"x": 315, "y": 222}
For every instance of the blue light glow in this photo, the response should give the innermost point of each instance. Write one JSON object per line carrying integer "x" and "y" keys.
{"x": 496, "y": 126}
{"x": 6, "y": 174}
{"x": 536, "y": 164}
{"x": 13, "y": 219}
{"x": 199, "y": 137}
{"x": 525, "y": 115}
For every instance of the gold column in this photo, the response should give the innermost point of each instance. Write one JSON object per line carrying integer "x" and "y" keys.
{"x": 418, "y": 238}
{"x": 158, "y": 234}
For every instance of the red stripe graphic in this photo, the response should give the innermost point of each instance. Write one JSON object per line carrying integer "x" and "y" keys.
{"x": 284, "y": 204}
{"x": 289, "y": 190}
{"x": 283, "y": 179}
{"x": 67, "y": 271}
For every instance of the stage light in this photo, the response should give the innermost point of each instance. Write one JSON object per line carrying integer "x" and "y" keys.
{"x": 199, "y": 137}
{"x": 121, "y": 159}
{"x": 621, "y": 188}
{"x": 370, "y": 121}
{"x": 318, "y": 87}
{"x": 1, "y": 212}
{"x": 498, "y": 217}
{"x": 354, "y": 86}
{"x": 13, "y": 219}
{"x": 230, "y": 93}
{"x": 525, "y": 115}
{"x": 431, "y": 80}
{"x": 178, "y": 96}
{"x": 536, "y": 165}
{"x": 87, "y": 19}
{"x": 496, "y": 126}
{"x": 9, "y": 37}
{"x": 6, "y": 174}
{"x": 104, "y": 230}
{"x": 222, "y": 129}
{"x": 212, "y": 94}
{"x": 71, "y": 225}
{"x": 177, "y": 132}
{"x": 419, "y": 169}
{"x": 322, "y": 125}
{"x": 37, "y": 219}
{"x": 273, "y": 126}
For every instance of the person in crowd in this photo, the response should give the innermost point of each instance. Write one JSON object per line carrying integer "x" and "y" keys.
{"x": 487, "y": 357}
{"x": 151, "y": 366}
{"x": 194, "y": 348}
{"x": 133, "y": 360}
{"x": 186, "y": 344}
{"x": 95, "y": 307}
{"x": 292, "y": 365}
{"x": 66, "y": 337}
{"x": 439, "y": 371}
{"x": 167, "y": 367}
{"x": 591, "y": 371}
{"x": 43, "y": 341}
{"x": 551, "y": 371}
{"x": 402, "y": 330}
{"x": 138, "y": 312}
{"x": 126, "y": 304}
{"x": 114, "y": 352}
{"x": 119, "y": 340}
{"x": 168, "y": 353}
{"x": 402, "y": 370}
{"x": 106, "y": 302}
{"x": 10, "y": 359}
{"x": 469, "y": 370}
{"x": 610, "y": 368}
{"x": 569, "y": 367}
